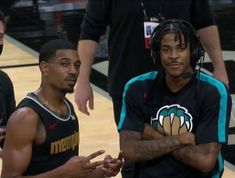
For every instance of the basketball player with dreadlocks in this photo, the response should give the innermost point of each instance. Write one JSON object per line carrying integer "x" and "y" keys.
{"x": 174, "y": 121}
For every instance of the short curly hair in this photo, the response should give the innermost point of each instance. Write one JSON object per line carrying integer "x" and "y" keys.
{"x": 48, "y": 50}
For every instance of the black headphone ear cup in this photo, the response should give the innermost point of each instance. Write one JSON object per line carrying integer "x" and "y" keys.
{"x": 194, "y": 54}
{"x": 197, "y": 51}
{"x": 155, "y": 54}
{"x": 152, "y": 47}
{"x": 194, "y": 60}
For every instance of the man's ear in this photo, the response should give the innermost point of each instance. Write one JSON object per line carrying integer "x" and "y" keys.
{"x": 44, "y": 68}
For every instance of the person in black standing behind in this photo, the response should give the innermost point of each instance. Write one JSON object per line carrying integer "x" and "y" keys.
{"x": 129, "y": 53}
{"x": 7, "y": 96}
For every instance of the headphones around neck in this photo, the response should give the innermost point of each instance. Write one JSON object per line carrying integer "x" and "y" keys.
{"x": 177, "y": 26}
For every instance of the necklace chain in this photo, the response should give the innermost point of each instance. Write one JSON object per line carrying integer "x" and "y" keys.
{"x": 57, "y": 111}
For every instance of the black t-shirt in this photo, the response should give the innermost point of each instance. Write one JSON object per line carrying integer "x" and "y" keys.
{"x": 7, "y": 98}
{"x": 127, "y": 54}
{"x": 202, "y": 107}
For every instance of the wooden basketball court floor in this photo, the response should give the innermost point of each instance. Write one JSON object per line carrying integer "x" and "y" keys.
{"x": 97, "y": 131}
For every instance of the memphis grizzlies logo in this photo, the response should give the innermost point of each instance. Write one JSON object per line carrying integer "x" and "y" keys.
{"x": 172, "y": 120}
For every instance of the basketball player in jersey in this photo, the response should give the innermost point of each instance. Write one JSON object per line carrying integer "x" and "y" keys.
{"x": 42, "y": 137}
{"x": 175, "y": 120}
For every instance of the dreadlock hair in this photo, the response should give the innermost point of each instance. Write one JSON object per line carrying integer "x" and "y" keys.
{"x": 179, "y": 27}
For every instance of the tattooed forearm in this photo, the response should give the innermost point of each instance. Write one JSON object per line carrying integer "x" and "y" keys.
{"x": 202, "y": 157}
{"x": 136, "y": 149}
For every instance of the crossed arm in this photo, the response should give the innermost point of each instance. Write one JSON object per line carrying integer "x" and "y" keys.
{"x": 151, "y": 144}
{"x": 136, "y": 149}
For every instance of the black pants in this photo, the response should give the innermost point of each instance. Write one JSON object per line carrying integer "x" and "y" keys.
{"x": 127, "y": 171}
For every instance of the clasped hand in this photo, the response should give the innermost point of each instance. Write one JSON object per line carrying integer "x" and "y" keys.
{"x": 82, "y": 167}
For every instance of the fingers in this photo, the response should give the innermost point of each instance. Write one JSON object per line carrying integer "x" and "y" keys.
{"x": 2, "y": 133}
{"x": 97, "y": 164}
{"x": 110, "y": 172}
{"x": 95, "y": 154}
{"x": 81, "y": 103}
{"x": 120, "y": 156}
{"x": 84, "y": 97}
{"x": 91, "y": 102}
{"x": 112, "y": 165}
{"x": 83, "y": 108}
{"x": 3, "y": 130}
{"x": 109, "y": 159}
{"x": 88, "y": 168}
{"x": 111, "y": 168}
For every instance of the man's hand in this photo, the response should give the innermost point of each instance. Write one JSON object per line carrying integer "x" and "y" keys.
{"x": 112, "y": 166}
{"x": 150, "y": 133}
{"x": 188, "y": 138}
{"x": 2, "y": 133}
{"x": 78, "y": 166}
{"x": 84, "y": 94}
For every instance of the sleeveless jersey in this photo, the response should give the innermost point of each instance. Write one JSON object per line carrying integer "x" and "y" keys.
{"x": 62, "y": 137}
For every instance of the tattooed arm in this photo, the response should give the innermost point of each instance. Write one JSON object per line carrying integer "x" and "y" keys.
{"x": 135, "y": 149}
{"x": 202, "y": 156}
